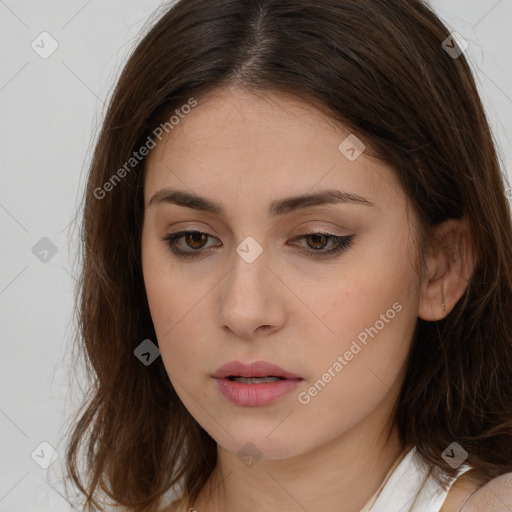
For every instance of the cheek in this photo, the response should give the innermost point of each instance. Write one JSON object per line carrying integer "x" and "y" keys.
{"x": 173, "y": 313}
{"x": 164, "y": 289}
{"x": 357, "y": 301}
{"x": 371, "y": 313}
{"x": 366, "y": 353}
{"x": 177, "y": 335}
{"x": 161, "y": 292}
{"x": 176, "y": 310}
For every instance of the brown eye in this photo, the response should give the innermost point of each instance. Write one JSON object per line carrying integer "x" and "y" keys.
{"x": 188, "y": 244}
{"x": 191, "y": 244}
{"x": 319, "y": 241}
{"x": 196, "y": 239}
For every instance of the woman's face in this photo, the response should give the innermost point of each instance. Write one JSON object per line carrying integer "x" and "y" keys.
{"x": 263, "y": 287}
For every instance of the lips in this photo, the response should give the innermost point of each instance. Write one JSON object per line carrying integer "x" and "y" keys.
{"x": 254, "y": 369}
{"x": 255, "y": 384}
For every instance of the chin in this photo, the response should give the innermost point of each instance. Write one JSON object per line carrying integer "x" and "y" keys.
{"x": 258, "y": 444}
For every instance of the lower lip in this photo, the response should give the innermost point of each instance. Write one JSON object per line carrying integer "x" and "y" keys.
{"x": 255, "y": 395}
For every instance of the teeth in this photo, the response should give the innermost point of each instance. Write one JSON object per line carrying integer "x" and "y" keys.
{"x": 255, "y": 380}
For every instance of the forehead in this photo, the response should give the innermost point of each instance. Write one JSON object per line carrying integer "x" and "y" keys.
{"x": 263, "y": 145}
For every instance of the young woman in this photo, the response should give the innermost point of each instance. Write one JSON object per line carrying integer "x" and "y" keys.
{"x": 296, "y": 289}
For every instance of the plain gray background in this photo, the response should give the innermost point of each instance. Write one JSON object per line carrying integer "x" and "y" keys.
{"x": 50, "y": 110}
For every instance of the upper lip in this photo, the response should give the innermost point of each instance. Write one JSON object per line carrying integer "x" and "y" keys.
{"x": 252, "y": 369}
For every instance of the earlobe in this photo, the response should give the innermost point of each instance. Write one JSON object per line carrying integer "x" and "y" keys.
{"x": 450, "y": 264}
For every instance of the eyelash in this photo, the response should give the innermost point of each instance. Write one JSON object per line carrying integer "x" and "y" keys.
{"x": 342, "y": 243}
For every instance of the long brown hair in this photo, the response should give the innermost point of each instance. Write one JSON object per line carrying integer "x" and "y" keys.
{"x": 380, "y": 68}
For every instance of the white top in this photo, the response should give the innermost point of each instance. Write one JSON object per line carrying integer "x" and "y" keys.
{"x": 411, "y": 487}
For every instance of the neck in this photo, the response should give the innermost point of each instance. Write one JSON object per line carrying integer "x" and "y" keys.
{"x": 342, "y": 474}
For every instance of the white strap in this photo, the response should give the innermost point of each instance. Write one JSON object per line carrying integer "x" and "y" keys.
{"x": 411, "y": 488}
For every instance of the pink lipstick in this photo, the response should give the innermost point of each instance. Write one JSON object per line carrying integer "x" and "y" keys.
{"x": 254, "y": 384}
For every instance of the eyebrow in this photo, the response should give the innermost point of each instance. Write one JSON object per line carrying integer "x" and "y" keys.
{"x": 277, "y": 207}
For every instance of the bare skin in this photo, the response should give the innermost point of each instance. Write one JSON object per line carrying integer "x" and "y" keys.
{"x": 466, "y": 495}
{"x": 289, "y": 306}
{"x": 459, "y": 494}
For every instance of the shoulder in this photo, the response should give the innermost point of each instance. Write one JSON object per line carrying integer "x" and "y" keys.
{"x": 495, "y": 496}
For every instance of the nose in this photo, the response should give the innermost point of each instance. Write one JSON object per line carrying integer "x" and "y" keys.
{"x": 252, "y": 301}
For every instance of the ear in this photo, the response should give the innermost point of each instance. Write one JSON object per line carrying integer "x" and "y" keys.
{"x": 450, "y": 264}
